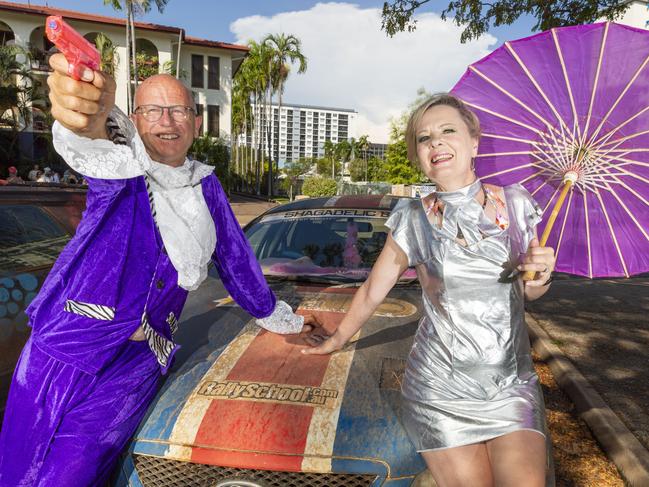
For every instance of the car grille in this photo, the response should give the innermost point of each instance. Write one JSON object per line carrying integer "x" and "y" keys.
{"x": 161, "y": 472}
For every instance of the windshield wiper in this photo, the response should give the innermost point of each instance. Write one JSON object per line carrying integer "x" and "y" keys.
{"x": 317, "y": 278}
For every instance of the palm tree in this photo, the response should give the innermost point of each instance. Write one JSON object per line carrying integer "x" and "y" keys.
{"x": 284, "y": 50}
{"x": 254, "y": 73}
{"x": 9, "y": 68}
{"x": 363, "y": 145}
{"x": 18, "y": 90}
{"x": 343, "y": 151}
{"x": 133, "y": 7}
{"x": 329, "y": 153}
{"x": 241, "y": 115}
{"x": 108, "y": 52}
{"x": 16, "y": 82}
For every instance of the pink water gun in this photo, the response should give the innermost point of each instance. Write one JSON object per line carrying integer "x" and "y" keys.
{"x": 76, "y": 49}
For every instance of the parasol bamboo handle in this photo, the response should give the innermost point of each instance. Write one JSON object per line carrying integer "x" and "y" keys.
{"x": 568, "y": 181}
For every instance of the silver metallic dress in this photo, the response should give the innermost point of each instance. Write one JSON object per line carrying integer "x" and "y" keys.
{"x": 469, "y": 376}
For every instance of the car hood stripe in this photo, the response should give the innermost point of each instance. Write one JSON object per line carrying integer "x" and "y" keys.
{"x": 232, "y": 426}
{"x": 191, "y": 416}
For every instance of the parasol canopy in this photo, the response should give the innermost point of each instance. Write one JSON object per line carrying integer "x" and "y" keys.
{"x": 566, "y": 114}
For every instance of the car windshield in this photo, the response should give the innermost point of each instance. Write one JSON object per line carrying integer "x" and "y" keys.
{"x": 322, "y": 244}
{"x": 29, "y": 238}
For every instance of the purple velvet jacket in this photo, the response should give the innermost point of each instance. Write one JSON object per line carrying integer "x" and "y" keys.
{"x": 114, "y": 276}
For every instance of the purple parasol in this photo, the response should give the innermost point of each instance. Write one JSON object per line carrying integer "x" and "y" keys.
{"x": 566, "y": 113}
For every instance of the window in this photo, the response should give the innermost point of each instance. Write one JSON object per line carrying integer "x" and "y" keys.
{"x": 200, "y": 110}
{"x": 213, "y": 120}
{"x": 323, "y": 240}
{"x": 213, "y": 73}
{"x": 29, "y": 238}
{"x": 22, "y": 224}
{"x": 197, "y": 71}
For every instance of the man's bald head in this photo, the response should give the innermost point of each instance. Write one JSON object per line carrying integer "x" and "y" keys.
{"x": 165, "y": 81}
{"x": 168, "y": 138}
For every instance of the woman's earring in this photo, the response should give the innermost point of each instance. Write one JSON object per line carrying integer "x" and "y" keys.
{"x": 473, "y": 164}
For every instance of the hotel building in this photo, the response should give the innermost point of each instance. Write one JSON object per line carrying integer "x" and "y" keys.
{"x": 302, "y": 130}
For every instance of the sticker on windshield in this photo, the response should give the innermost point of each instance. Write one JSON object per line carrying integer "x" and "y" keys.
{"x": 267, "y": 392}
{"x": 327, "y": 213}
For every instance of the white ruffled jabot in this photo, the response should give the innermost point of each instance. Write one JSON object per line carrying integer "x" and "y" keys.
{"x": 184, "y": 221}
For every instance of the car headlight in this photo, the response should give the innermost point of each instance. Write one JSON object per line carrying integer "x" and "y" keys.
{"x": 424, "y": 479}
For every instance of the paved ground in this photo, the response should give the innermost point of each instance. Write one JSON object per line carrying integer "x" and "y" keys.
{"x": 602, "y": 326}
{"x": 246, "y": 208}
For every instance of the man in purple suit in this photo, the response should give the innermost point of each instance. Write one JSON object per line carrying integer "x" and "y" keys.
{"x": 104, "y": 320}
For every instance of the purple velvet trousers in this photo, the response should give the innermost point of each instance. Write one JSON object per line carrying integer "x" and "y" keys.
{"x": 64, "y": 427}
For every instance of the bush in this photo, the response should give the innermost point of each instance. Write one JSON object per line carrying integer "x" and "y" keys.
{"x": 215, "y": 152}
{"x": 319, "y": 187}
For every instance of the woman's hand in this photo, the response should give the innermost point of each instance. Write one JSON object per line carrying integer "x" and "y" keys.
{"x": 321, "y": 342}
{"x": 539, "y": 260}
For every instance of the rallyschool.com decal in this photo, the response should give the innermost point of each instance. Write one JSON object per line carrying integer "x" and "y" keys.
{"x": 327, "y": 213}
{"x": 266, "y": 392}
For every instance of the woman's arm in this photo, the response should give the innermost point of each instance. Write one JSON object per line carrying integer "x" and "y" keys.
{"x": 392, "y": 262}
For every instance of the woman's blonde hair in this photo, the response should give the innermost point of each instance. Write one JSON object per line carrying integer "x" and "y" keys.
{"x": 467, "y": 115}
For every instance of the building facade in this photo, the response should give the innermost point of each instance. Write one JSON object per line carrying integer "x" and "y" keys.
{"x": 637, "y": 15}
{"x": 377, "y": 150}
{"x": 207, "y": 67}
{"x": 302, "y": 130}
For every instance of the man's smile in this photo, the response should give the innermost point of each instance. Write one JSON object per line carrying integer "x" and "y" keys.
{"x": 168, "y": 136}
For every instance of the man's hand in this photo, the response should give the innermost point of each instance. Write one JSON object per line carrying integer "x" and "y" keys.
{"x": 81, "y": 106}
{"x": 310, "y": 326}
{"x": 321, "y": 342}
{"x": 314, "y": 334}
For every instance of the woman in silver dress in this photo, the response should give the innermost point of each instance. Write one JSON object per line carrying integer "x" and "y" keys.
{"x": 472, "y": 401}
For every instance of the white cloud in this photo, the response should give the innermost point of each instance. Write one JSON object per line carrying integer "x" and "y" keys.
{"x": 353, "y": 64}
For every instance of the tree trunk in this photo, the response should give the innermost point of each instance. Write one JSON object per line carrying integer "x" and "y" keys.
{"x": 129, "y": 88}
{"x": 365, "y": 160}
{"x": 133, "y": 49}
{"x": 279, "y": 124}
{"x": 269, "y": 125}
{"x": 259, "y": 147}
{"x": 249, "y": 173}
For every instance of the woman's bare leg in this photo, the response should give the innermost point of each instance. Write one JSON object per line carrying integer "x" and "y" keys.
{"x": 462, "y": 466}
{"x": 518, "y": 458}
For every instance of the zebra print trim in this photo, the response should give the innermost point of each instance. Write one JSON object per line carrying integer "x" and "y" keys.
{"x": 96, "y": 311}
{"x": 172, "y": 322}
{"x": 159, "y": 345}
{"x": 151, "y": 201}
{"x": 114, "y": 133}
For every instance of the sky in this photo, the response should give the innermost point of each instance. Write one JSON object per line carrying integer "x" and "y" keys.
{"x": 352, "y": 64}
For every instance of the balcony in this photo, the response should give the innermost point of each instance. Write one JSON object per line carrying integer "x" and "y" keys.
{"x": 38, "y": 61}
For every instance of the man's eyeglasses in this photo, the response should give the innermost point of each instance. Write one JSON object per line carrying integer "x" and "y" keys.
{"x": 153, "y": 113}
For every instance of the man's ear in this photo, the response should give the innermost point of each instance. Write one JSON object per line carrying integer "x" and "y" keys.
{"x": 198, "y": 123}
{"x": 132, "y": 117}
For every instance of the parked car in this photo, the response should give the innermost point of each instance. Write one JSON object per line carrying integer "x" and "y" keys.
{"x": 243, "y": 407}
{"x": 36, "y": 222}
